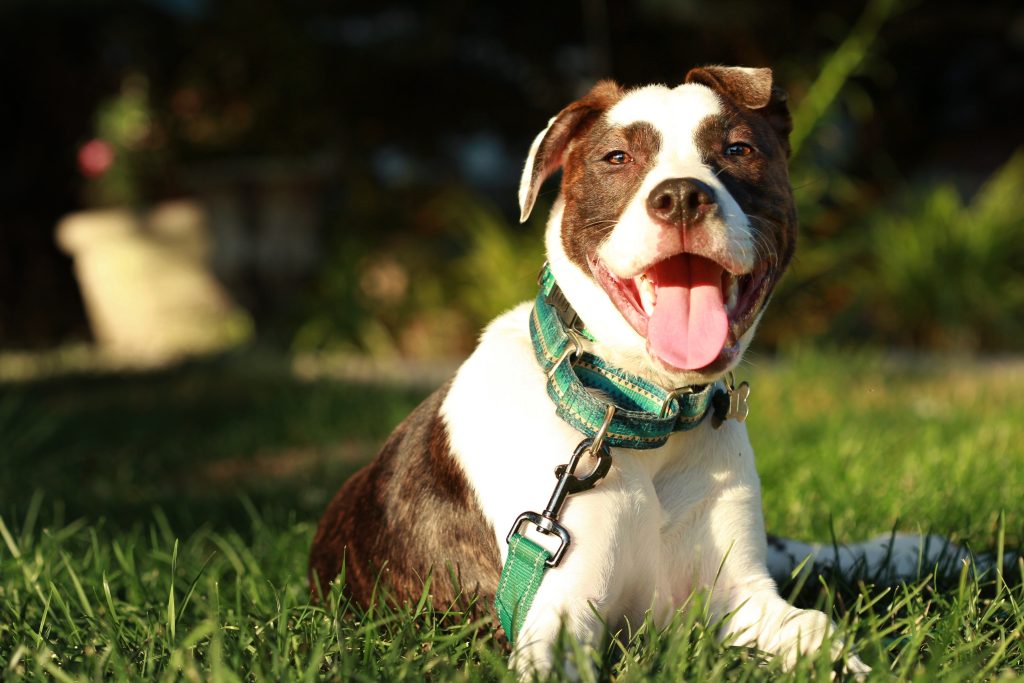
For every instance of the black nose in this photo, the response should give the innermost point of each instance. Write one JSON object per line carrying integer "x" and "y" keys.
{"x": 680, "y": 201}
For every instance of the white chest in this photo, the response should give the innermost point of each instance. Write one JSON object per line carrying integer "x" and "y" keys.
{"x": 644, "y": 537}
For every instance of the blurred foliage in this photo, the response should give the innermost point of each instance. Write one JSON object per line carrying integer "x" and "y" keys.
{"x": 127, "y": 123}
{"x": 427, "y": 295}
{"x": 421, "y": 112}
{"x": 837, "y": 70}
{"x": 944, "y": 273}
{"x": 500, "y": 266}
{"x": 919, "y": 268}
{"x": 924, "y": 269}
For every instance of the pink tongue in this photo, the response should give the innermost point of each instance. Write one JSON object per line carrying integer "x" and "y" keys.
{"x": 688, "y": 327}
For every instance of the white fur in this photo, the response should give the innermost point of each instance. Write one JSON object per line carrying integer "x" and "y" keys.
{"x": 637, "y": 242}
{"x": 662, "y": 524}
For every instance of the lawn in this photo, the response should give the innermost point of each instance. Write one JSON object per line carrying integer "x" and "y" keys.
{"x": 156, "y": 525}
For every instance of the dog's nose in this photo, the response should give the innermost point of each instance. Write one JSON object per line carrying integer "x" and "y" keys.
{"x": 680, "y": 201}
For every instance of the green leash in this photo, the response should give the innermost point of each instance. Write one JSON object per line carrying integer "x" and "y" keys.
{"x": 641, "y": 415}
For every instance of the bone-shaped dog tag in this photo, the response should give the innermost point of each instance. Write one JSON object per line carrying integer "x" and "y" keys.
{"x": 739, "y": 403}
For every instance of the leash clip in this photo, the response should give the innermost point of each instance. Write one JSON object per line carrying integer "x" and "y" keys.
{"x": 568, "y": 483}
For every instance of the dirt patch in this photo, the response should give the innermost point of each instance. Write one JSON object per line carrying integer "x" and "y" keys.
{"x": 288, "y": 464}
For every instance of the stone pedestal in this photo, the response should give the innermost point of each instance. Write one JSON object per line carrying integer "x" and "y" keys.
{"x": 145, "y": 278}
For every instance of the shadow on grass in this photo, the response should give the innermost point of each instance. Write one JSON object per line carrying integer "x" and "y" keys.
{"x": 194, "y": 440}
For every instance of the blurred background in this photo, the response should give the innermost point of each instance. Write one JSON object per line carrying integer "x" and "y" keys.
{"x": 239, "y": 241}
{"x": 184, "y": 176}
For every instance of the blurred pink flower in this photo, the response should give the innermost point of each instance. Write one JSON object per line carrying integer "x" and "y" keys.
{"x": 95, "y": 157}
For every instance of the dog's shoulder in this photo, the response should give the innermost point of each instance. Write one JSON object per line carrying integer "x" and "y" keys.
{"x": 500, "y": 373}
{"x": 509, "y": 333}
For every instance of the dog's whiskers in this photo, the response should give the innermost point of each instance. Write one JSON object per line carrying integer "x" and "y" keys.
{"x": 760, "y": 240}
{"x": 596, "y": 223}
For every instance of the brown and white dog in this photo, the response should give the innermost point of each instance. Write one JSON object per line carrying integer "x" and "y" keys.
{"x": 674, "y": 223}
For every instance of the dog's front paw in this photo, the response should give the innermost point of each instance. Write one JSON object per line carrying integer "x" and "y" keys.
{"x": 804, "y": 632}
{"x": 854, "y": 669}
{"x": 539, "y": 662}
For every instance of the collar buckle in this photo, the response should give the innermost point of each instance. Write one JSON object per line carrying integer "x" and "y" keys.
{"x": 566, "y": 313}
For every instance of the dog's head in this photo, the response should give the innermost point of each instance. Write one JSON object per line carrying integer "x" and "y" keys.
{"x": 675, "y": 218}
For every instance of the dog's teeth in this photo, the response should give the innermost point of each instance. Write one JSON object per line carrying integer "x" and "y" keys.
{"x": 732, "y": 294}
{"x": 647, "y": 294}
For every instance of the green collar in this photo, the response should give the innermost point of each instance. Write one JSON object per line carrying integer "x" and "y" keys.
{"x": 644, "y": 415}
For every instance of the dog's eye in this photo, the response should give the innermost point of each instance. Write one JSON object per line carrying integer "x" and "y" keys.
{"x": 738, "y": 149}
{"x": 618, "y": 157}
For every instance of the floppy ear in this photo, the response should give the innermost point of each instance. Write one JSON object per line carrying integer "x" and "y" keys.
{"x": 548, "y": 149}
{"x": 753, "y": 89}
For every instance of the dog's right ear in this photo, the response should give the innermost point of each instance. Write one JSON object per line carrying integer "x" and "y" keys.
{"x": 547, "y": 153}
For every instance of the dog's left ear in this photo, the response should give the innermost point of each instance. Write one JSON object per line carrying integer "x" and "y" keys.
{"x": 753, "y": 89}
{"x": 547, "y": 153}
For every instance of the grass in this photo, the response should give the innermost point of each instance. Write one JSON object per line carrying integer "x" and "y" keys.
{"x": 155, "y": 525}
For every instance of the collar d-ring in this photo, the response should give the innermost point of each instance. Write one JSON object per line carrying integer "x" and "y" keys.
{"x": 572, "y": 350}
{"x": 609, "y": 414}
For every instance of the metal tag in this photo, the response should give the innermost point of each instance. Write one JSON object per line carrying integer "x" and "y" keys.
{"x": 739, "y": 403}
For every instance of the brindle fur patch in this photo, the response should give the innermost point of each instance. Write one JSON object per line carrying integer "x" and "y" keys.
{"x": 570, "y": 124}
{"x": 752, "y": 89}
{"x": 408, "y": 513}
{"x": 597, "y": 192}
{"x": 759, "y": 182}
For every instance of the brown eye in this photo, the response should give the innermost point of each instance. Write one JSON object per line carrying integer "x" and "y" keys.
{"x": 739, "y": 149}
{"x": 618, "y": 157}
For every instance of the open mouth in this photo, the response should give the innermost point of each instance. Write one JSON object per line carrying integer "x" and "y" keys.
{"x": 691, "y": 310}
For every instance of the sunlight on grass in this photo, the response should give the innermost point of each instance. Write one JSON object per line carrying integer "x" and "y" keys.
{"x": 156, "y": 525}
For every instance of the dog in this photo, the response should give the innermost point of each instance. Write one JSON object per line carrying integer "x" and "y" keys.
{"x": 674, "y": 222}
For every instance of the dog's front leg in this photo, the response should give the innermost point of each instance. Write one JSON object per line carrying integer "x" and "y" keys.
{"x": 535, "y": 650}
{"x": 718, "y": 543}
{"x": 745, "y": 597}
{"x": 588, "y": 587}
{"x": 765, "y": 621}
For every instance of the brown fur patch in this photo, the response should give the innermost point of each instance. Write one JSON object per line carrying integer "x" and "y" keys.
{"x": 759, "y": 182}
{"x": 408, "y": 514}
{"x": 570, "y": 123}
{"x": 597, "y": 192}
{"x": 751, "y": 89}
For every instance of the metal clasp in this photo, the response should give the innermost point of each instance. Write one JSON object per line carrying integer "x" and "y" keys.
{"x": 673, "y": 396}
{"x": 739, "y": 402}
{"x": 568, "y": 483}
{"x": 545, "y": 525}
{"x": 571, "y": 350}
